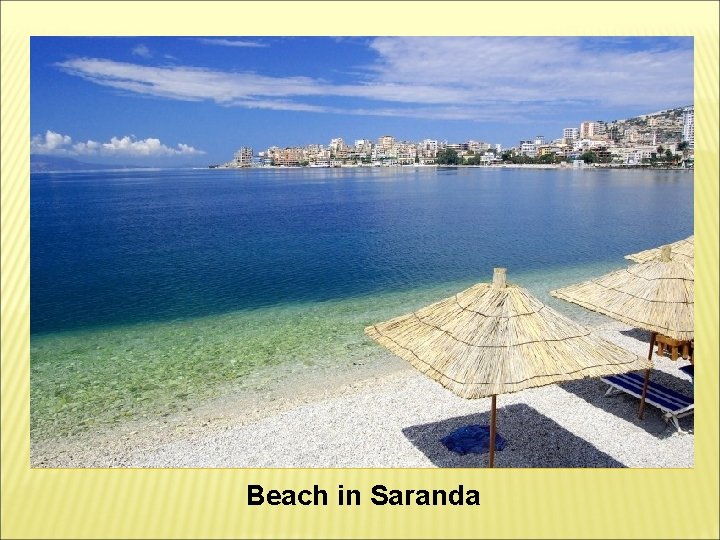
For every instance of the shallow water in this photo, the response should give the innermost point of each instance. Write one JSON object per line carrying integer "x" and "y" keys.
{"x": 150, "y": 292}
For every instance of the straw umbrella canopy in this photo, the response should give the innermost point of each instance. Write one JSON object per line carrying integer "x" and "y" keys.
{"x": 658, "y": 296}
{"x": 495, "y": 338}
{"x": 682, "y": 250}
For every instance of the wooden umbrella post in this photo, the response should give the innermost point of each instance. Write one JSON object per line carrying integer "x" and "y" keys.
{"x": 653, "y": 335}
{"x": 491, "y": 458}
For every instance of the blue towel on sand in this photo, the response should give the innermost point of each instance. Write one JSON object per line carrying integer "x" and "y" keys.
{"x": 473, "y": 438}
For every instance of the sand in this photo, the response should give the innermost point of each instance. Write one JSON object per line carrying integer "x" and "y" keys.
{"x": 383, "y": 413}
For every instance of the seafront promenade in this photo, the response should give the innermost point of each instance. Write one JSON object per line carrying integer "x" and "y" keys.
{"x": 561, "y": 165}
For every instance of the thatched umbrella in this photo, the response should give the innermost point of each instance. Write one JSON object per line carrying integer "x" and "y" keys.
{"x": 496, "y": 338}
{"x": 682, "y": 250}
{"x": 658, "y": 296}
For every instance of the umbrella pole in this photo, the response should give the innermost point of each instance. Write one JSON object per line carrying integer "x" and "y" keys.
{"x": 491, "y": 458}
{"x": 653, "y": 335}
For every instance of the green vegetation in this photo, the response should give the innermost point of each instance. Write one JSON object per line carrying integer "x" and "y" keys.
{"x": 448, "y": 157}
{"x": 474, "y": 160}
{"x": 547, "y": 159}
{"x": 684, "y": 147}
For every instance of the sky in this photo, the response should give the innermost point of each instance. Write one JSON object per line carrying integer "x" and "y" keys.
{"x": 193, "y": 101}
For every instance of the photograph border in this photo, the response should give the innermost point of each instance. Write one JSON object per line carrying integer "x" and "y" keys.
{"x": 212, "y": 503}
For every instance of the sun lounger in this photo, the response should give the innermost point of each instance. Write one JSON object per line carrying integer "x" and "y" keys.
{"x": 674, "y": 405}
{"x": 689, "y": 370}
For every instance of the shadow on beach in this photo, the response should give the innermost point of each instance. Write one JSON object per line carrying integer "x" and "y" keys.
{"x": 626, "y": 406}
{"x": 639, "y": 334}
{"x": 533, "y": 440}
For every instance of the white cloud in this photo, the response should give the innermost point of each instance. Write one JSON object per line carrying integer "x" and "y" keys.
{"x": 231, "y": 42}
{"x": 50, "y": 142}
{"x": 142, "y": 50}
{"x": 128, "y": 146}
{"x": 525, "y": 69}
{"x": 248, "y": 89}
{"x": 477, "y": 78}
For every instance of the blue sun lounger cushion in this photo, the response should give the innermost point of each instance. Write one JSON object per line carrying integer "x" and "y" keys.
{"x": 472, "y": 439}
{"x": 689, "y": 370}
{"x": 673, "y": 404}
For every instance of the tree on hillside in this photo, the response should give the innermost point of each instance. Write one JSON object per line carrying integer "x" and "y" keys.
{"x": 684, "y": 147}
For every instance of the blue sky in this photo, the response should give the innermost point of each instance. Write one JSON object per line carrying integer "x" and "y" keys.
{"x": 193, "y": 101}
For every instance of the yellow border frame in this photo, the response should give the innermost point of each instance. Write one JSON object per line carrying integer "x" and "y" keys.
{"x": 38, "y": 503}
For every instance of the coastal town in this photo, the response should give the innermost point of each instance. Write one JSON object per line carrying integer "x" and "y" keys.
{"x": 661, "y": 139}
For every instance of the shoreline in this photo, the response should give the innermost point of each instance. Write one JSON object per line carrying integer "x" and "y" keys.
{"x": 436, "y": 166}
{"x": 383, "y": 413}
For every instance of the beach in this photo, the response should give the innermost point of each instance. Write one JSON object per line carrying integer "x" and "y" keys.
{"x": 383, "y": 413}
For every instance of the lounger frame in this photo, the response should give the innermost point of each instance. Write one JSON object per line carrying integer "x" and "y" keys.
{"x": 674, "y": 405}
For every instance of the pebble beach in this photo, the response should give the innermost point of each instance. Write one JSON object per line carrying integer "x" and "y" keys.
{"x": 384, "y": 413}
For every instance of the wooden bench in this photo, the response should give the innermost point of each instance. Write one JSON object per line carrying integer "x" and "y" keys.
{"x": 675, "y": 347}
{"x": 674, "y": 405}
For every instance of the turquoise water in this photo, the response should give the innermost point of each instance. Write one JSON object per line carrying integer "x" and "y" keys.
{"x": 153, "y": 291}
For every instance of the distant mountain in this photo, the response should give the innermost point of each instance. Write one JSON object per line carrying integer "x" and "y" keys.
{"x": 43, "y": 163}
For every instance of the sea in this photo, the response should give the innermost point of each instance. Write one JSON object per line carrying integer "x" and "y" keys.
{"x": 154, "y": 290}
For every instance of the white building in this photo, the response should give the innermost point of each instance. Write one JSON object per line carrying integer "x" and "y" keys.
{"x": 528, "y": 148}
{"x": 337, "y": 145}
{"x": 243, "y": 157}
{"x": 428, "y": 148}
{"x": 634, "y": 155}
{"x": 386, "y": 142}
{"x": 364, "y": 148}
{"x": 488, "y": 158}
{"x": 430, "y": 144}
{"x": 587, "y": 144}
{"x": 406, "y": 154}
{"x": 478, "y": 146}
{"x": 571, "y": 135}
{"x": 688, "y": 132}
{"x": 363, "y": 145}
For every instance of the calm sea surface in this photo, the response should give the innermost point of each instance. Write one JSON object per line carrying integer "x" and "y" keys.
{"x": 151, "y": 287}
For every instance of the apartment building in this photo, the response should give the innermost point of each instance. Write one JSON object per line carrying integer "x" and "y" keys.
{"x": 243, "y": 157}
{"x": 364, "y": 147}
{"x": 288, "y": 157}
{"x": 406, "y": 154}
{"x": 688, "y": 130}
{"x": 528, "y": 148}
{"x": 337, "y": 145}
{"x": 478, "y": 147}
{"x": 386, "y": 142}
{"x": 570, "y": 135}
{"x": 428, "y": 149}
